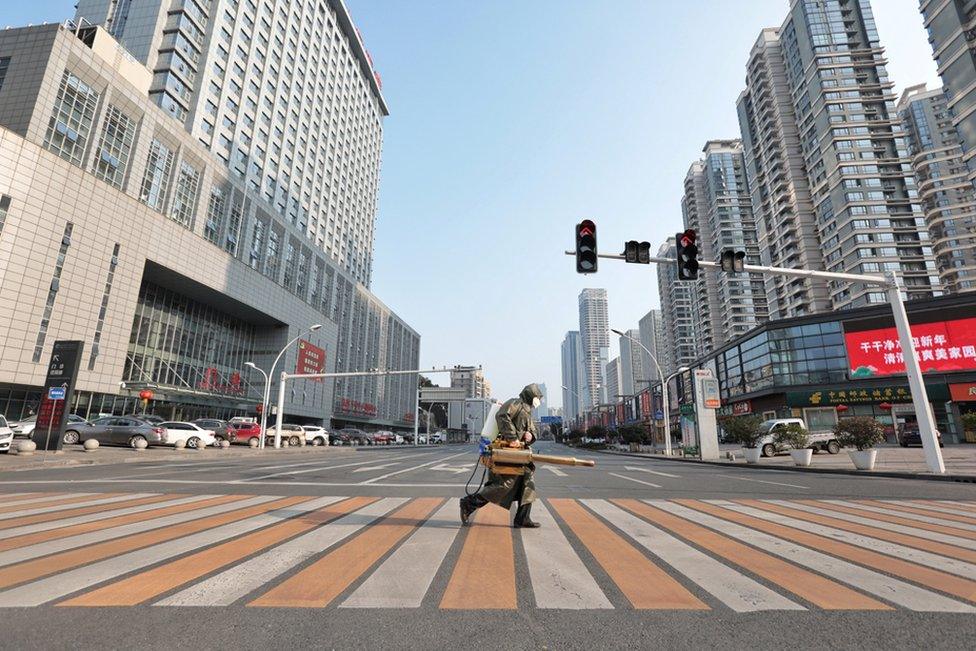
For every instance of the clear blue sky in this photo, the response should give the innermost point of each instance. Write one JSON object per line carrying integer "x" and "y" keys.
{"x": 512, "y": 119}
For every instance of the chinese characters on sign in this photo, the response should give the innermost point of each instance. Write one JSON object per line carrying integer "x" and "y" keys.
{"x": 62, "y": 372}
{"x": 941, "y": 346}
{"x": 311, "y": 359}
{"x": 348, "y": 406}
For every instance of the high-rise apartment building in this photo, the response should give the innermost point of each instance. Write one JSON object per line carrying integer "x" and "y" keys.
{"x": 632, "y": 374}
{"x": 651, "y": 327}
{"x": 472, "y": 381}
{"x": 572, "y": 375}
{"x": 283, "y": 93}
{"x": 614, "y": 380}
{"x": 678, "y": 311}
{"x": 949, "y": 24}
{"x": 717, "y": 204}
{"x": 944, "y": 190}
{"x": 783, "y": 208}
{"x": 594, "y": 331}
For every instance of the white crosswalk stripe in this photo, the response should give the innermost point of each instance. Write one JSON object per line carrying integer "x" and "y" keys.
{"x": 904, "y": 514}
{"x": 935, "y": 508}
{"x": 95, "y": 501}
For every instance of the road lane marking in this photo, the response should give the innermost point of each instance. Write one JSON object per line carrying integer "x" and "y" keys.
{"x": 404, "y": 578}
{"x": 763, "y": 481}
{"x": 559, "y": 577}
{"x": 320, "y": 583}
{"x": 105, "y": 504}
{"x": 237, "y": 582}
{"x": 821, "y": 591}
{"x": 177, "y": 543}
{"x": 888, "y": 588}
{"x": 556, "y": 471}
{"x": 644, "y": 584}
{"x": 455, "y": 470}
{"x": 653, "y": 472}
{"x": 910, "y": 519}
{"x": 484, "y": 575}
{"x": 307, "y": 470}
{"x": 142, "y": 587}
{"x": 948, "y": 519}
{"x": 638, "y": 481}
{"x": 423, "y": 465}
{"x": 380, "y": 467}
{"x": 952, "y": 546}
{"x": 735, "y": 590}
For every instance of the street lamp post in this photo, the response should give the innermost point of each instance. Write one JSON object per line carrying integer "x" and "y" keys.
{"x": 579, "y": 403}
{"x": 664, "y": 388}
{"x": 281, "y": 389}
{"x": 265, "y": 396}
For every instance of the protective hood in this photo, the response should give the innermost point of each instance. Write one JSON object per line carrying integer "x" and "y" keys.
{"x": 529, "y": 392}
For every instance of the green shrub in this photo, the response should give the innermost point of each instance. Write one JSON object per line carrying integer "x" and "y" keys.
{"x": 744, "y": 430}
{"x": 861, "y": 432}
{"x": 793, "y": 436}
{"x": 969, "y": 422}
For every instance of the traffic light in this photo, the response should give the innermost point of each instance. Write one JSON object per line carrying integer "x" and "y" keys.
{"x": 733, "y": 261}
{"x": 644, "y": 253}
{"x": 630, "y": 251}
{"x": 637, "y": 252}
{"x": 586, "y": 257}
{"x": 687, "y": 254}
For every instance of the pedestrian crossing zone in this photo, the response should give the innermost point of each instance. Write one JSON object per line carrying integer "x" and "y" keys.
{"x": 76, "y": 550}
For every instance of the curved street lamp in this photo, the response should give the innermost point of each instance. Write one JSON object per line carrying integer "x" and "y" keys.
{"x": 279, "y": 416}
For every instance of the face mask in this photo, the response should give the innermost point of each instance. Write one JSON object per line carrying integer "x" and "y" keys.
{"x": 536, "y": 402}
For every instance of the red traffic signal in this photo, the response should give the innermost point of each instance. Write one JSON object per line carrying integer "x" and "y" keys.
{"x": 687, "y": 255}
{"x": 586, "y": 255}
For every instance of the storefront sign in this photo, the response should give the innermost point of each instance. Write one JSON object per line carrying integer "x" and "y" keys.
{"x": 963, "y": 392}
{"x": 742, "y": 408}
{"x": 311, "y": 359}
{"x": 645, "y": 404}
{"x": 855, "y": 396}
{"x": 941, "y": 346}
{"x": 348, "y": 406}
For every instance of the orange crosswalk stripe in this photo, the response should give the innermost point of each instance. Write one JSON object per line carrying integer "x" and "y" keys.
{"x": 814, "y": 588}
{"x": 961, "y": 506}
{"x": 484, "y": 576}
{"x": 322, "y": 581}
{"x": 146, "y": 585}
{"x": 97, "y": 525}
{"x": 948, "y": 583}
{"x": 891, "y": 536}
{"x": 892, "y": 519}
{"x": 82, "y": 510}
{"x": 644, "y": 584}
{"x": 39, "y": 567}
{"x": 27, "y": 496}
{"x": 68, "y": 499}
{"x": 932, "y": 514}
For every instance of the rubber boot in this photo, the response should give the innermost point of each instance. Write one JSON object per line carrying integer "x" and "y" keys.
{"x": 470, "y": 504}
{"x": 522, "y": 520}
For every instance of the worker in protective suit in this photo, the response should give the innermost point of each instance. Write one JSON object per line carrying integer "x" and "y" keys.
{"x": 516, "y": 428}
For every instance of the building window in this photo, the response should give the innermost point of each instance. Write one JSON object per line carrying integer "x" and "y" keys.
{"x": 185, "y": 197}
{"x": 234, "y": 221}
{"x": 52, "y": 292}
{"x": 113, "y": 150}
{"x": 159, "y": 166}
{"x": 74, "y": 109}
{"x": 4, "y": 207}
{"x": 215, "y": 215}
{"x": 272, "y": 260}
{"x": 113, "y": 264}
{"x": 4, "y": 66}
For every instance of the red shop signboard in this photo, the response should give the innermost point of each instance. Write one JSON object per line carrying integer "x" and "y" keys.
{"x": 941, "y": 346}
{"x": 311, "y": 359}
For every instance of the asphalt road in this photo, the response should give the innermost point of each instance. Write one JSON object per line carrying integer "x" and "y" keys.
{"x": 362, "y": 549}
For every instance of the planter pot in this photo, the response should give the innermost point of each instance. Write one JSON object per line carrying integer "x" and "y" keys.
{"x": 802, "y": 457}
{"x": 752, "y": 454}
{"x": 863, "y": 459}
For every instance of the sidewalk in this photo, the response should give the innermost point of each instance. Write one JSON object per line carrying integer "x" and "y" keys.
{"x": 75, "y": 455}
{"x": 960, "y": 461}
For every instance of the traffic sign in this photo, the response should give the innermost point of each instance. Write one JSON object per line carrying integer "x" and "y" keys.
{"x": 658, "y": 415}
{"x": 56, "y": 393}
{"x": 687, "y": 409}
{"x": 551, "y": 420}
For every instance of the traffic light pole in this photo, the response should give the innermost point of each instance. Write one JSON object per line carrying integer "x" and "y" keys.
{"x": 891, "y": 283}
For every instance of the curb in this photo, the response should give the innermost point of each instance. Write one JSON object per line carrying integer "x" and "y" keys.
{"x": 971, "y": 479}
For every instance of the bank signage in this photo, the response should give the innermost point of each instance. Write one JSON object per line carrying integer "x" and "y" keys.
{"x": 941, "y": 346}
{"x": 855, "y": 396}
{"x": 311, "y": 359}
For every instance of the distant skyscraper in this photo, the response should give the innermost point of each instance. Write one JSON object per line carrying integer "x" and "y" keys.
{"x": 613, "y": 379}
{"x": 572, "y": 375}
{"x": 632, "y": 374}
{"x": 785, "y": 224}
{"x": 949, "y": 25}
{"x": 863, "y": 192}
{"x": 473, "y": 381}
{"x": 652, "y": 336}
{"x": 595, "y": 341}
{"x": 677, "y": 310}
{"x": 717, "y": 205}
{"x": 945, "y": 193}
{"x": 283, "y": 93}
{"x": 543, "y": 408}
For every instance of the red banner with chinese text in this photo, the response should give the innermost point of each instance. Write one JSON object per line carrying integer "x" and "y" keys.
{"x": 941, "y": 346}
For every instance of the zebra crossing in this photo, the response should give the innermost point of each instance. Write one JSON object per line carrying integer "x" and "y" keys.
{"x": 366, "y": 552}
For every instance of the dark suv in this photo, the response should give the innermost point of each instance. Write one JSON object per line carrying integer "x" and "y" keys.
{"x": 909, "y": 434}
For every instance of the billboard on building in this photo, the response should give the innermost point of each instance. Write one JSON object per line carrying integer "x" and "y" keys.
{"x": 941, "y": 346}
{"x": 311, "y": 359}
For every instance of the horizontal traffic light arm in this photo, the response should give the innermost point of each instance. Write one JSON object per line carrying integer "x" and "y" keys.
{"x": 877, "y": 281}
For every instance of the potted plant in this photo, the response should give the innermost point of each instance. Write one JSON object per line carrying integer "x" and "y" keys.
{"x": 969, "y": 427}
{"x": 746, "y": 431}
{"x": 862, "y": 433}
{"x": 795, "y": 437}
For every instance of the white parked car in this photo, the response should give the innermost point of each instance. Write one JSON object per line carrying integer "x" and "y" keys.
{"x": 315, "y": 435}
{"x": 24, "y": 429}
{"x": 190, "y": 433}
{"x": 6, "y": 435}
